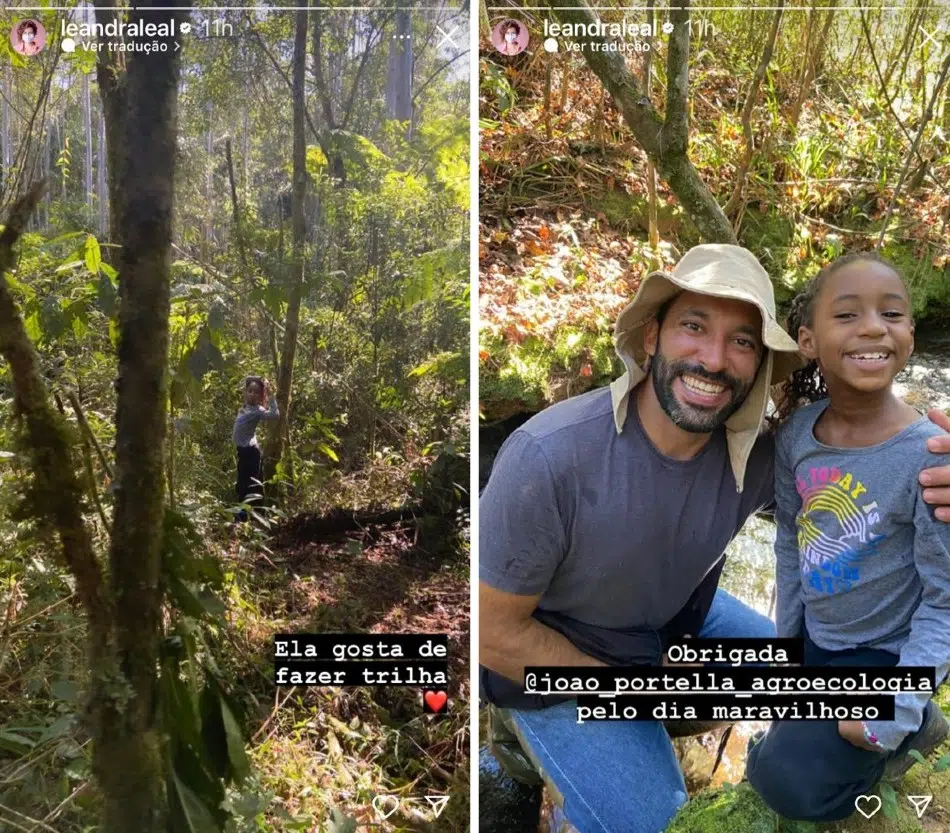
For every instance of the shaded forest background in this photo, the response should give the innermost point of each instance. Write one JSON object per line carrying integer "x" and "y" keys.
{"x": 319, "y": 237}
{"x": 814, "y": 133}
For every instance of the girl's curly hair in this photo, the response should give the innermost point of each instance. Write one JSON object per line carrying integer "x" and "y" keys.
{"x": 806, "y": 384}
{"x": 26, "y": 24}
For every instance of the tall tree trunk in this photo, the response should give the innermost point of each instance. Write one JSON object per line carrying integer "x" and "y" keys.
{"x": 101, "y": 185}
{"x": 209, "y": 187}
{"x": 399, "y": 80}
{"x": 110, "y": 77}
{"x": 5, "y": 138}
{"x": 238, "y": 233}
{"x": 299, "y": 228}
{"x": 128, "y": 740}
{"x": 47, "y": 167}
{"x": 665, "y": 141}
{"x": 87, "y": 14}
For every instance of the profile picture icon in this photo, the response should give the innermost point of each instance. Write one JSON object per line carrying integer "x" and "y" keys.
{"x": 510, "y": 37}
{"x": 28, "y": 36}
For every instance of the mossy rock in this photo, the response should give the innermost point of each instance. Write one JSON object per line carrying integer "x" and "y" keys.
{"x": 629, "y": 212}
{"x": 527, "y": 377}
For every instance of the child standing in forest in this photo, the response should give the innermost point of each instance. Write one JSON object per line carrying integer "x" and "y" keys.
{"x": 863, "y": 568}
{"x": 256, "y": 393}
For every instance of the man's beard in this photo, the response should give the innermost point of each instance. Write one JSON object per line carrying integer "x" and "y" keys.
{"x": 694, "y": 418}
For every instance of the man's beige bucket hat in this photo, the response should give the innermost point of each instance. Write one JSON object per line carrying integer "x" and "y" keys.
{"x": 724, "y": 271}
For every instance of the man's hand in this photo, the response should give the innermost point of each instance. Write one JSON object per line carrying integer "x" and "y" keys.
{"x": 853, "y": 732}
{"x": 936, "y": 480}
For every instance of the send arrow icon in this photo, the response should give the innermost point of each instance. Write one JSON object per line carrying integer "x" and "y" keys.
{"x": 438, "y": 802}
{"x": 921, "y": 803}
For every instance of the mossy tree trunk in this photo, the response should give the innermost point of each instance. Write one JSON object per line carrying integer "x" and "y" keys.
{"x": 127, "y": 756}
{"x": 665, "y": 140}
{"x": 55, "y": 493}
{"x": 299, "y": 228}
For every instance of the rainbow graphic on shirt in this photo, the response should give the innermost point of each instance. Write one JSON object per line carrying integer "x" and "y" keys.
{"x": 835, "y": 528}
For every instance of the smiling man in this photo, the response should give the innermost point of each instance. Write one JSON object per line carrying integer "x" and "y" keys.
{"x": 604, "y": 522}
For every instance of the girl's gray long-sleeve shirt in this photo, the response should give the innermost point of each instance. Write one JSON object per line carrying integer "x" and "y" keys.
{"x": 245, "y": 424}
{"x": 861, "y": 560}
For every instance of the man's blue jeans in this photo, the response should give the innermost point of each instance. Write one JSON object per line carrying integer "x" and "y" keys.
{"x": 623, "y": 777}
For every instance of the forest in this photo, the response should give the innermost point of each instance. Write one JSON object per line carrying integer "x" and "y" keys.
{"x": 802, "y": 131}
{"x": 800, "y": 134}
{"x": 281, "y": 194}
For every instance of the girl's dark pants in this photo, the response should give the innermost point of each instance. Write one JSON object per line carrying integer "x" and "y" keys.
{"x": 804, "y": 770}
{"x": 248, "y": 470}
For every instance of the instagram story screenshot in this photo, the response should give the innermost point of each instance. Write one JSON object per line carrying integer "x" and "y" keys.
{"x": 713, "y": 549}
{"x": 234, "y": 417}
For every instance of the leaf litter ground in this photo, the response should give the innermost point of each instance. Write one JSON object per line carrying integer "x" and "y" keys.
{"x": 326, "y": 752}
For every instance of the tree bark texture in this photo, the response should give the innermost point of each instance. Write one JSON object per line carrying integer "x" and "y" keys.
{"x": 665, "y": 141}
{"x": 128, "y": 740}
{"x": 299, "y": 230}
{"x": 111, "y": 81}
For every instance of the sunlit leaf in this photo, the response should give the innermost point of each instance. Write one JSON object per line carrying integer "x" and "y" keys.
{"x": 93, "y": 255}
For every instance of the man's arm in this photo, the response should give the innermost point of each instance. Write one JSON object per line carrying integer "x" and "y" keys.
{"x": 936, "y": 480}
{"x": 510, "y": 639}
{"x": 522, "y": 540}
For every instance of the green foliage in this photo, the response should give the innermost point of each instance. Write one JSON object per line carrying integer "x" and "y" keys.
{"x": 495, "y": 85}
{"x": 205, "y": 747}
{"x": 889, "y": 801}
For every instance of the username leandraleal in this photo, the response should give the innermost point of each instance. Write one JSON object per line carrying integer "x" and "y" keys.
{"x": 598, "y": 29}
{"x": 119, "y": 28}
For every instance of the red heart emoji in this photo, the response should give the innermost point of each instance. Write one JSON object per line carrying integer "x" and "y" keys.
{"x": 435, "y": 700}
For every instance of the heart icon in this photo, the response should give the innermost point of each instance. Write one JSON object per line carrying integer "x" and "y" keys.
{"x": 435, "y": 700}
{"x": 382, "y": 801}
{"x": 869, "y": 800}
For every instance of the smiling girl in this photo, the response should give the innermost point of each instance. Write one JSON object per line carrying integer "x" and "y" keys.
{"x": 863, "y": 569}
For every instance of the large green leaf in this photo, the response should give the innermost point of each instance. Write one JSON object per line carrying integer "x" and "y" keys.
{"x": 889, "y": 801}
{"x": 196, "y": 814}
{"x": 93, "y": 256}
{"x": 235, "y": 741}
{"x": 15, "y": 743}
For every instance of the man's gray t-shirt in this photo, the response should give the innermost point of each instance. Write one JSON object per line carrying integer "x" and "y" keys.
{"x": 608, "y": 530}
{"x": 861, "y": 560}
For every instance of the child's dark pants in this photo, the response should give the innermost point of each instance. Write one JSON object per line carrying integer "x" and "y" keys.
{"x": 248, "y": 470}
{"x": 804, "y": 770}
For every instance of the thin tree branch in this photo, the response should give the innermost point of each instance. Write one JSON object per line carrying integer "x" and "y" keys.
{"x": 435, "y": 74}
{"x": 913, "y": 150}
{"x": 84, "y": 424}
